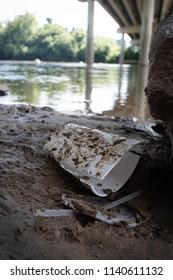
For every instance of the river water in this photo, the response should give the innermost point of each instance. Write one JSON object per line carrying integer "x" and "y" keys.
{"x": 111, "y": 89}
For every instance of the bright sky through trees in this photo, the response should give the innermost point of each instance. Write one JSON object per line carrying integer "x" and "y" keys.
{"x": 68, "y": 13}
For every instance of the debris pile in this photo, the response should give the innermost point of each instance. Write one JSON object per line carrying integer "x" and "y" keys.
{"x": 103, "y": 162}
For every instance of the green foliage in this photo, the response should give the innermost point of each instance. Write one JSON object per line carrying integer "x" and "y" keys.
{"x": 22, "y": 39}
{"x": 53, "y": 42}
{"x": 1, "y": 41}
{"x": 79, "y": 43}
{"x": 106, "y": 50}
{"x": 49, "y": 20}
{"x": 17, "y": 36}
{"x": 132, "y": 53}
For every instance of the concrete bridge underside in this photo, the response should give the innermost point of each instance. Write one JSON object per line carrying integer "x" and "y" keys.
{"x": 137, "y": 18}
{"x": 129, "y": 13}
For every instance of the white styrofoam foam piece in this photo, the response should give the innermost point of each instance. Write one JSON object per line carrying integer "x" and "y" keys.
{"x": 103, "y": 162}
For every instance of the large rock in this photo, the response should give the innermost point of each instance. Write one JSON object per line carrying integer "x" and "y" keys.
{"x": 160, "y": 80}
{"x": 3, "y": 92}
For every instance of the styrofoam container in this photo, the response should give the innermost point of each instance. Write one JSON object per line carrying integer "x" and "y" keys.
{"x": 103, "y": 162}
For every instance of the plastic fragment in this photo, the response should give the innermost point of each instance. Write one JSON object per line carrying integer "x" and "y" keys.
{"x": 55, "y": 213}
{"x": 122, "y": 200}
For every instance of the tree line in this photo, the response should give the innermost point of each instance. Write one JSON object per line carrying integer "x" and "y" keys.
{"x": 23, "y": 39}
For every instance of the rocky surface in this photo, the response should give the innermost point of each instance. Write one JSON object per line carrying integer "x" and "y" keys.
{"x": 30, "y": 180}
{"x": 160, "y": 82}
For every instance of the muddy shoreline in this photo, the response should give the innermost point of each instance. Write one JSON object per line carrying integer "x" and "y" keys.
{"x": 30, "y": 180}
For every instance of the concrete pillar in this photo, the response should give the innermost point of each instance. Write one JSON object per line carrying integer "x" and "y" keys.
{"x": 90, "y": 34}
{"x": 146, "y": 31}
{"x": 122, "y": 54}
{"x": 88, "y": 91}
{"x": 142, "y": 78}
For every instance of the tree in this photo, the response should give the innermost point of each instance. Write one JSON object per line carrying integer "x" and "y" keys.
{"x": 106, "y": 50}
{"x": 54, "y": 42}
{"x": 22, "y": 39}
{"x": 1, "y": 41}
{"x": 79, "y": 43}
{"x": 132, "y": 53}
{"x": 49, "y": 20}
{"x": 18, "y": 35}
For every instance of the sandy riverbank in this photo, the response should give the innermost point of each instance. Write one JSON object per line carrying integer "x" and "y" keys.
{"x": 30, "y": 180}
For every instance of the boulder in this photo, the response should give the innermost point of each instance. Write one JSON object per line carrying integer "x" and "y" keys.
{"x": 159, "y": 88}
{"x": 3, "y": 92}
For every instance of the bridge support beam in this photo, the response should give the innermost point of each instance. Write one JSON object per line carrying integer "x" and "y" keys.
{"x": 90, "y": 34}
{"x": 122, "y": 54}
{"x": 146, "y": 31}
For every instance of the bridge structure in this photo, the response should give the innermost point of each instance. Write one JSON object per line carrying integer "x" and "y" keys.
{"x": 137, "y": 18}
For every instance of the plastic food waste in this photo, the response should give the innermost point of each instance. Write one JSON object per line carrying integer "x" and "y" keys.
{"x": 102, "y": 161}
{"x": 94, "y": 208}
{"x": 98, "y": 208}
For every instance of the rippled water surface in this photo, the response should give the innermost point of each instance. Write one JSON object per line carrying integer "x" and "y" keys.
{"x": 114, "y": 90}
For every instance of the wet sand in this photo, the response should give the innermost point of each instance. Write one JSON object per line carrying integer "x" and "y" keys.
{"x": 30, "y": 180}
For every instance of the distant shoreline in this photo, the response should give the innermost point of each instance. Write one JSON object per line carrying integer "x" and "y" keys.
{"x": 66, "y": 63}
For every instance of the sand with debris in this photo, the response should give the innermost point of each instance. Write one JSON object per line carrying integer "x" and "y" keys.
{"x": 30, "y": 180}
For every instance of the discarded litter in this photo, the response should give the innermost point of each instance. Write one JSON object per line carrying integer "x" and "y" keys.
{"x": 122, "y": 200}
{"x": 97, "y": 207}
{"x": 103, "y": 162}
{"x": 117, "y": 216}
{"x": 54, "y": 213}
